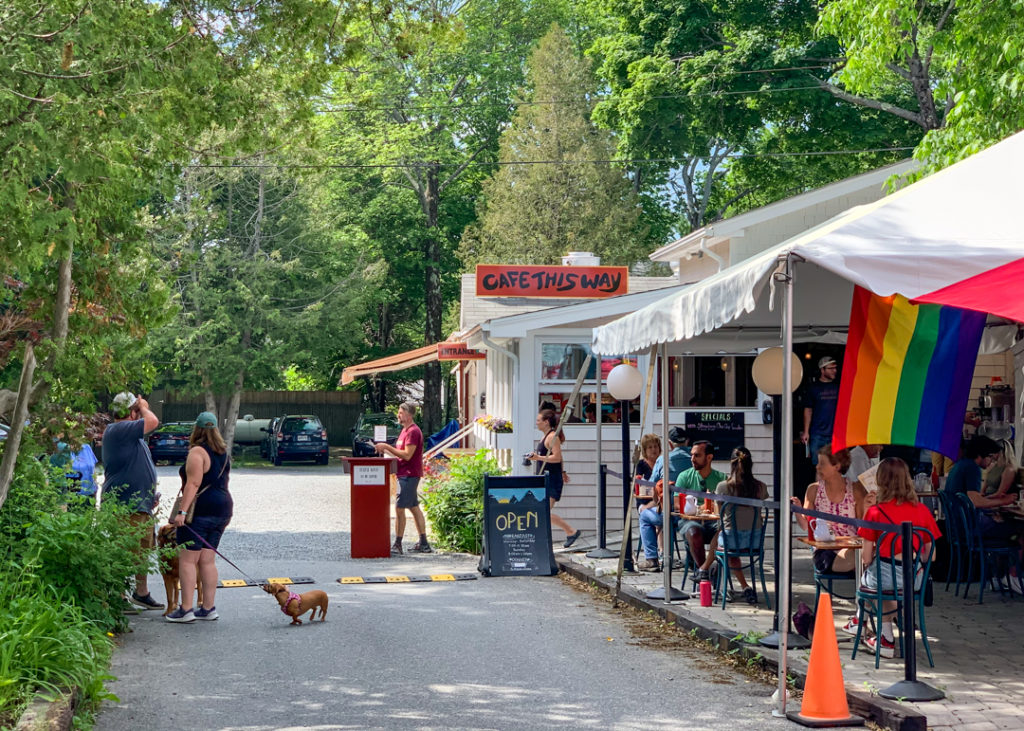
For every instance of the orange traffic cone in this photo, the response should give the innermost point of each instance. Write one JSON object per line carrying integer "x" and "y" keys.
{"x": 824, "y": 704}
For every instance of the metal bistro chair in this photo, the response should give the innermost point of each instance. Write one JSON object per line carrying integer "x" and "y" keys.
{"x": 955, "y": 535}
{"x": 887, "y": 568}
{"x": 976, "y": 546}
{"x": 753, "y": 554}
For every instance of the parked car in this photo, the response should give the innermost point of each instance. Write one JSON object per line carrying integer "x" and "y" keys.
{"x": 362, "y": 432}
{"x": 298, "y": 437}
{"x": 170, "y": 441}
{"x": 3, "y": 431}
{"x": 268, "y": 441}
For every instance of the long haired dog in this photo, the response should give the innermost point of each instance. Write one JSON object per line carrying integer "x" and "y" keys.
{"x": 166, "y": 538}
{"x": 295, "y": 605}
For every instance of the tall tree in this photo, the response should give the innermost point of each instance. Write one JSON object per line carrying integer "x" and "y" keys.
{"x": 98, "y": 104}
{"x": 694, "y": 86}
{"x": 428, "y": 99}
{"x": 958, "y": 62}
{"x": 573, "y": 199}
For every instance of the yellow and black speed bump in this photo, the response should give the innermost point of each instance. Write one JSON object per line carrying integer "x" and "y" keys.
{"x": 405, "y": 579}
{"x": 228, "y": 583}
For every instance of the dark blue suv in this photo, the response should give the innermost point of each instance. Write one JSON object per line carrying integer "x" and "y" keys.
{"x": 299, "y": 437}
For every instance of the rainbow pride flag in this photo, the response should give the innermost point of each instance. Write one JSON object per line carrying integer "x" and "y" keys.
{"x": 906, "y": 373}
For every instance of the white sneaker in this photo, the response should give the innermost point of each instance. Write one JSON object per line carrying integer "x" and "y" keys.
{"x": 851, "y": 626}
{"x": 888, "y": 646}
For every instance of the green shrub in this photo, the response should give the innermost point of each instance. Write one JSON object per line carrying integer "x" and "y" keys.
{"x": 64, "y": 568}
{"x": 46, "y": 644}
{"x": 454, "y": 501}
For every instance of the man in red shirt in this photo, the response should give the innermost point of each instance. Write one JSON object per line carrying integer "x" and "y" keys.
{"x": 409, "y": 450}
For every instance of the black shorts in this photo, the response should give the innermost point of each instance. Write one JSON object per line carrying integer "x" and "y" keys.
{"x": 407, "y": 496}
{"x": 823, "y": 560}
{"x": 209, "y": 527}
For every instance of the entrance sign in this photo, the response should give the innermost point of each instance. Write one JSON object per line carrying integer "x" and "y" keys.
{"x": 458, "y": 351}
{"x": 494, "y": 280}
{"x": 724, "y": 429}
{"x": 517, "y": 527}
{"x": 368, "y": 475}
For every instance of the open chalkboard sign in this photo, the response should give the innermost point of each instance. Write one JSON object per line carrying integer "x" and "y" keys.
{"x": 724, "y": 429}
{"x": 517, "y": 527}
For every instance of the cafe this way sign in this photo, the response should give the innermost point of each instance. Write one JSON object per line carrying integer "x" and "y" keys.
{"x": 494, "y": 280}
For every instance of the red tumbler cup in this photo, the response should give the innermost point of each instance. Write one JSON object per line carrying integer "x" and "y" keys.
{"x": 705, "y": 593}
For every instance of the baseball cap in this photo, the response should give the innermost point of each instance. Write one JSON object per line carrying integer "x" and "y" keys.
{"x": 206, "y": 420}
{"x": 826, "y": 360}
{"x": 677, "y": 434}
{"x": 122, "y": 403}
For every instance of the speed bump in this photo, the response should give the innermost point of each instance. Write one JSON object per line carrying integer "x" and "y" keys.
{"x": 230, "y": 583}
{"x": 405, "y": 579}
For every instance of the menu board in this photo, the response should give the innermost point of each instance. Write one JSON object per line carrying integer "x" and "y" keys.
{"x": 517, "y": 527}
{"x": 724, "y": 429}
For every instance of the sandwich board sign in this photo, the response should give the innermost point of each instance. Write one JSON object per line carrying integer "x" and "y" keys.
{"x": 517, "y": 527}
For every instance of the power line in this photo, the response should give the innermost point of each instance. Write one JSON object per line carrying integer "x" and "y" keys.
{"x": 610, "y": 161}
{"x": 554, "y": 102}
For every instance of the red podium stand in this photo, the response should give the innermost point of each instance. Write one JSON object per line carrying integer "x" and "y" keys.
{"x": 370, "y": 506}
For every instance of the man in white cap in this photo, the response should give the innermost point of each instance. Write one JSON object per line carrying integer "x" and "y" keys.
{"x": 129, "y": 474}
{"x": 820, "y": 408}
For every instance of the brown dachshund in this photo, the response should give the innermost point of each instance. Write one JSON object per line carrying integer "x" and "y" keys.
{"x": 295, "y": 605}
{"x": 167, "y": 537}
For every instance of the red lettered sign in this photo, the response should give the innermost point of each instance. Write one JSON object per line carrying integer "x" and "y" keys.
{"x": 458, "y": 351}
{"x": 494, "y": 280}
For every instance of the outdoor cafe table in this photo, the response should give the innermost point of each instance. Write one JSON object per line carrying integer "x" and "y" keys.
{"x": 839, "y": 543}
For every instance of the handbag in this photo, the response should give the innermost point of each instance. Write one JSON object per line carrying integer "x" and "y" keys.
{"x": 176, "y": 507}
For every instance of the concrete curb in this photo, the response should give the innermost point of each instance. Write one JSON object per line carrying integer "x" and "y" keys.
{"x": 49, "y": 715}
{"x": 885, "y": 713}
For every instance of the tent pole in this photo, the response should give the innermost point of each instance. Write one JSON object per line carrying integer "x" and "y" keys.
{"x": 785, "y": 515}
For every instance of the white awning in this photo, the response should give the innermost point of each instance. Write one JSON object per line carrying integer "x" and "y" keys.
{"x": 960, "y": 221}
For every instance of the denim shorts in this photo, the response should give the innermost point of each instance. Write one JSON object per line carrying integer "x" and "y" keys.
{"x": 209, "y": 527}
{"x": 741, "y": 540}
{"x": 869, "y": 582}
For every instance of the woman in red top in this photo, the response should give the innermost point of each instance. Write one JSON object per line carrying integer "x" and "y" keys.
{"x": 896, "y": 503}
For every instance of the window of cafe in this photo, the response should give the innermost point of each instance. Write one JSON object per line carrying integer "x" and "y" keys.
{"x": 559, "y": 367}
{"x": 713, "y": 380}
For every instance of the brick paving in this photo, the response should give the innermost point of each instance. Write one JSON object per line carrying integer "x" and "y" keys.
{"x": 977, "y": 648}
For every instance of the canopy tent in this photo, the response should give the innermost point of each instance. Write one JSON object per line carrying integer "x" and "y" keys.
{"x": 999, "y": 291}
{"x": 957, "y": 223}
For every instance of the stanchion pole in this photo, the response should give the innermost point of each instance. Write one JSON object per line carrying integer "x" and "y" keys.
{"x": 668, "y": 531}
{"x": 910, "y": 688}
{"x": 602, "y": 551}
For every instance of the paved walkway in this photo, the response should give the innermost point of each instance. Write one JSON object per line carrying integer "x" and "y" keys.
{"x": 977, "y": 648}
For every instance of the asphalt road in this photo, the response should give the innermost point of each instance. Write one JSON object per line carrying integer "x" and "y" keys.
{"x": 498, "y": 653}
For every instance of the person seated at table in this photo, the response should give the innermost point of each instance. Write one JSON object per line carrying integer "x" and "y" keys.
{"x": 650, "y": 449}
{"x": 678, "y": 457}
{"x": 743, "y": 526}
{"x": 966, "y": 477}
{"x": 834, "y": 493}
{"x": 1001, "y": 476}
{"x": 897, "y": 503}
{"x": 700, "y": 478}
{"x": 650, "y": 528}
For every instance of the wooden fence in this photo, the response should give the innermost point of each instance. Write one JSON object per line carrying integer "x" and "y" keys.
{"x": 337, "y": 410}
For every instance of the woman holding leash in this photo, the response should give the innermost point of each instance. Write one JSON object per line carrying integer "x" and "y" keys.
{"x": 204, "y": 478}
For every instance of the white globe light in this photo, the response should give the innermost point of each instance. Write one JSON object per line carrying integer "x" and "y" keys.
{"x": 625, "y": 382}
{"x": 767, "y": 371}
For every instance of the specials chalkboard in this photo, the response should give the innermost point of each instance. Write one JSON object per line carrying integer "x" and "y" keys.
{"x": 517, "y": 527}
{"x": 724, "y": 429}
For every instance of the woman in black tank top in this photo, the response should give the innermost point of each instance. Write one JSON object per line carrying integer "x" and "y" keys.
{"x": 549, "y": 460}
{"x": 204, "y": 479}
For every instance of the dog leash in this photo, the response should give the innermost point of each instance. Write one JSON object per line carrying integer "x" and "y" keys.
{"x": 204, "y": 542}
